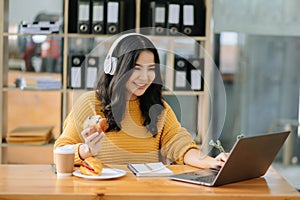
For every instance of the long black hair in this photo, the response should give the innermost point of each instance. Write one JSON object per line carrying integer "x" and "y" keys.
{"x": 111, "y": 89}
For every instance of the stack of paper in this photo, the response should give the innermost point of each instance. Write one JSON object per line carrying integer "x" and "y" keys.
{"x": 150, "y": 169}
{"x": 30, "y": 135}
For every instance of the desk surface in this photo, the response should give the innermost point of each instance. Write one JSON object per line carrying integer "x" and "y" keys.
{"x": 39, "y": 182}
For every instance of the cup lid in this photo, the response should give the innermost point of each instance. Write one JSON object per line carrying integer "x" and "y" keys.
{"x": 67, "y": 149}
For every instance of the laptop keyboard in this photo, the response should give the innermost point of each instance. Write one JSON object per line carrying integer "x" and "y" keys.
{"x": 205, "y": 179}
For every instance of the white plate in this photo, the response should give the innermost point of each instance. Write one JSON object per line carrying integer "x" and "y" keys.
{"x": 107, "y": 173}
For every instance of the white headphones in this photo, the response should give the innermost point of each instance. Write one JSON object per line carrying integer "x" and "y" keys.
{"x": 110, "y": 62}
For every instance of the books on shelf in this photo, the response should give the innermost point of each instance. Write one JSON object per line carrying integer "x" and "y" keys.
{"x": 37, "y": 135}
{"x": 42, "y": 27}
{"x": 150, "y": 169}
{"x": 38, "y": 83}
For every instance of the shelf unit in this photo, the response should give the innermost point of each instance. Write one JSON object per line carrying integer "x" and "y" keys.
{"x": 202, "y": 96}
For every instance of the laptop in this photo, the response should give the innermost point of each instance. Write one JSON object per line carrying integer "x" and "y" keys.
{"x": 249, "y": 158}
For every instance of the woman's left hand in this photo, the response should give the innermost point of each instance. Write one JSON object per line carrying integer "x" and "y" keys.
{"x": 193, "y": 158}
{"x": 222, "y": 157}
{"x": 220, "y": 160}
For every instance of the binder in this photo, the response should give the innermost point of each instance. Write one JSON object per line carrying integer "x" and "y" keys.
{"x": 188, "y": 22}
{"x": 84, "y": 16}
{"x": 173, "y": 18}
{"x": 98, "y": 13}
{"x": 146, "y": 17}
{"x": 92, "y": 63}
{"x": 193, "y": 18}
{"x": 76, "y": 71}
{"x": 159, "y": 15}
{"x": 73, "y": 14}
{"x": 113, "y": 17}
{"x": 196, "y": 74}
{"x": 181, "y": 67}
{"x": 128, "y": 15}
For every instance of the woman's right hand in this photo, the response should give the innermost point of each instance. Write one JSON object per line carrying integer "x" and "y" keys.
{"x": 91, "y": 144}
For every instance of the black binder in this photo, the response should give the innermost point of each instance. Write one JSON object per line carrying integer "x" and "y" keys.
{"x": 145, "y": 16}
{"x": 98, "y": 16}
{"x": 153, "y": 16}
{"x": 196, "y": 74}
{"x": 193, "y": 17}
{"x": 159, "y": 17}
{"x": 174, "y": 21}
{"x": 128, "y": 15}
{"x": 113, "y": 17}
{"x": 91, "y": 72}
{"x": 84, "y": 17}
{"x": 76, "y": 71}
{"x": 73, "y": 16}
{"x": 181, "y": 67}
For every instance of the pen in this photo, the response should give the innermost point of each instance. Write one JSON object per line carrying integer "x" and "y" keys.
{"x": 157, "y": 169}
{"x": 153, "y": 170}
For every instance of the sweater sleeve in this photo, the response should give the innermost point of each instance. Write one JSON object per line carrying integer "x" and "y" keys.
{"x": 70, "y": 135}
{"x": 73, "y": 124}
{"x": 175, "y": 140}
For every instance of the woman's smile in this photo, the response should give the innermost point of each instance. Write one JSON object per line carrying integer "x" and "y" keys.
{"x": 141, "y": 86}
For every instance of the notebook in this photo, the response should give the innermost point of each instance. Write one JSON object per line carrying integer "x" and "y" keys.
{"x": 249, "y": 158}
{"x": 149, "y": 169}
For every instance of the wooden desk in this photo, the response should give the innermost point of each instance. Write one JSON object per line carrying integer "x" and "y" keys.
{"x": 39, "y": 182}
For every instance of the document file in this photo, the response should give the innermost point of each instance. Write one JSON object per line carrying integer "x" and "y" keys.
{"x": 98, "y": 17}
{"x": 196, "y": 70}
{"x": 92, "y": 63}
{"x": 84, "y": 16}
{"x": 113, "y": 17}
{"x": 158, "y": 17}
{"x": 188, "y": 73}
{"x": 73, "y": 14}
{"x": 180, "y": 73}
{"x": 188, "y": 19}
{"x": 193, "y": 18}
{"x": 174, "y": 18}
{"x": 76, "y": 71}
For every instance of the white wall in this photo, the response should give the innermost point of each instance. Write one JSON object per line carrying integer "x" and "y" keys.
{"x": 270, "y": 17}
{"x": 27, "y": 10}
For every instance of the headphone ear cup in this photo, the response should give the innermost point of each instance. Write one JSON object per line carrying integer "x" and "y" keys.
{"x": 110, "y": 62}
{"x": 110, "y": 65}
{"x": 107, "y": 65}
{"x": 114, "y": 63}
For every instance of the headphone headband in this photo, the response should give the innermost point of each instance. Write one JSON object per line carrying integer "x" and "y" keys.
{"x": 110, "y": 62}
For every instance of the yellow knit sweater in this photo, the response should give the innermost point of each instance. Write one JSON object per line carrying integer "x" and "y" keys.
{"x": 132, "y": 144}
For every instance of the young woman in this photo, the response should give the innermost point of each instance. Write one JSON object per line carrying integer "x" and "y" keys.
{"x": 142, "y": 126}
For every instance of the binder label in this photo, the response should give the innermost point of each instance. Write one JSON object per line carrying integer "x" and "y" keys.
{"x": 174, "y": 13}
{"x": 180, "y": 79}
{"x": 98, "y": 11}
{"x": 112, "y": 12}
{"x": 91, "y": 77}
{"x": 160, "y": 14}
{"x": 84, "y": 12}
{"x": 196, "y": 79}
{"x": 188, "y": 15}
{"x": 76, "y": 77}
